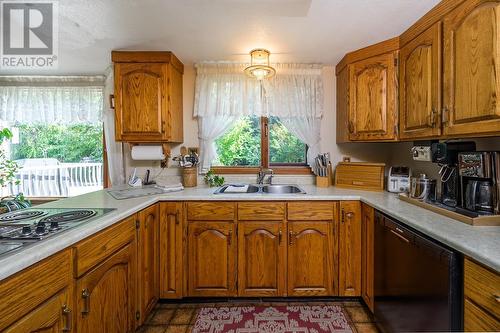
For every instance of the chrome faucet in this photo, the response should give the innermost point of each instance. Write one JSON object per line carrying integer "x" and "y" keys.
{"x": 262, "y": 174}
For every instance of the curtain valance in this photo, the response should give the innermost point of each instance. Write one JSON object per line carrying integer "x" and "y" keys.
{"x": 62, "y": 100}
{"x": 222, "y": 89}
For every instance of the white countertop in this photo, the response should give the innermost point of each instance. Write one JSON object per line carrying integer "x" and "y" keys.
{"x": 480, "y": 243}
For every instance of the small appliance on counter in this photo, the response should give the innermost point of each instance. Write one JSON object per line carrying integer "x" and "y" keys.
{"x": 445, "y": 154}
{"x": 398, "y": 180}
{"x": 480, "y": 181}
{"x": 421, "y": 153}
{"x": 423, "y": 188}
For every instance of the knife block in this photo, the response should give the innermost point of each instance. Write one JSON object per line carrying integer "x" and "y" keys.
{"x": 325, "y": 181}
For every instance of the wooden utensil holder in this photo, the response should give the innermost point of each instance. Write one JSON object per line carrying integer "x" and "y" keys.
{"x": 325, "y": 181}
{"x": 190, "y": 177}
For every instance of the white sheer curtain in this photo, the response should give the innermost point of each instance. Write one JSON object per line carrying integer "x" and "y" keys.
{"x": 63, "y": 100}
{"x": 114, "y": 149}
{"x": 295, "y": 96}
{"x": 223, "y": 93}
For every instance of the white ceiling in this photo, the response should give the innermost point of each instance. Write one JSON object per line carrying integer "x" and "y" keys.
{"x": 319, "y": 31}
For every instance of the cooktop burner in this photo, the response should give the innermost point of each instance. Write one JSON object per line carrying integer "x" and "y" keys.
{"x": 22, "y": 215}
{"x": 25, "y": 227}
{"x": 69, "y": 216}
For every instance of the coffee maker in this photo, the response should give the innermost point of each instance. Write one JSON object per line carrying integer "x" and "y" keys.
{"x": 480, "y": 181}
{"x": 445, "y": 154}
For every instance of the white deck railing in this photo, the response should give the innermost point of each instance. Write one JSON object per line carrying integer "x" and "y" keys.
{"x": 63, "y": 180}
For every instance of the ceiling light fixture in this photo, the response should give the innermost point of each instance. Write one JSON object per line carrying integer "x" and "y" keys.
{"x": 259, "y": 65}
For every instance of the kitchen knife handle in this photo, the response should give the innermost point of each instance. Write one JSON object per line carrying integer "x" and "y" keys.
{"x": 66, "y": 311}
{"x": 86, "y": 301}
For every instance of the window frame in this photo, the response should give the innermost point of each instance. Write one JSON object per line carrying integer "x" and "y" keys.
{"x": 278, "y": 168}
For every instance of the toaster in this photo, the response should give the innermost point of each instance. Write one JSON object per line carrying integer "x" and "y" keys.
{"x": 398, "y": 180}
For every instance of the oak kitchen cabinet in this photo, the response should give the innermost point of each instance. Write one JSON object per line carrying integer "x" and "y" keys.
{"x": 148, "y": 243}
{"x": 367, "y": 90}
{"x": 482, "y": 298}
{"x": 311, "y": 242}
{"x": 106, "y": 280}
{"x": 471, "y": 69}
{"x": 420, "y": 86}
{"x": 148, "y": 96}
{"x": 211, "y": 258}
{"x": 171, "y": 249}
{"x": 26, "y": 307}
{"x": 367, "y": 254}
{"x": 350, "y": 249}
{"x": 261, "y": 249}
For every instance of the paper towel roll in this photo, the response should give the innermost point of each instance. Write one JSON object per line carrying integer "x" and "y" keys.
{"x": 147, "y": 153}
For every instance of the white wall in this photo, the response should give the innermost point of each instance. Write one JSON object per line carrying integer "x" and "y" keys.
{"x": 370, "y": 152}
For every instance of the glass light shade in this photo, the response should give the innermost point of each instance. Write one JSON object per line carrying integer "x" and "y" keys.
{"x": 259, "y": 65}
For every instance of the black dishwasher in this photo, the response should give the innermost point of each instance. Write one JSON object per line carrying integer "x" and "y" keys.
{"x": 418, "y": 282}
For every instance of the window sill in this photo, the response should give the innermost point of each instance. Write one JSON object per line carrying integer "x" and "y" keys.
{"x": 278, "y": 170}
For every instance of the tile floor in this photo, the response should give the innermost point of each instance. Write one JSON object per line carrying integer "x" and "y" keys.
{"x": 180, "y": 317}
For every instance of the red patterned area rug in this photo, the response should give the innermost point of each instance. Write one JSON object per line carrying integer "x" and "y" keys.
{"x": 272, "y": 319}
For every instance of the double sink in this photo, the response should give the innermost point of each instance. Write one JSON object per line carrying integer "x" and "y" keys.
{"x": 264, "y": 189}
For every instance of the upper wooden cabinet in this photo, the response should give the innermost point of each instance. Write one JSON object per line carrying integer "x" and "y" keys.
{"x": 148, "y": 96}
{"x": 420, "y": 86}
{"x": 471, "y": 69}
{"x": 372, "y": 98}
{"x": 367, "y": 94}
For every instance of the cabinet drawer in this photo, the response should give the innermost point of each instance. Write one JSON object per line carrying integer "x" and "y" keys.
{"x": 476, "y": 320}
{"x": 482, "y": 286}
{"x": 261, "y": 211}
{"x": 23, "y": 292}
{"x": 307, "y": 210}
{"x": 95, "y": 249}
{"x": 210, "y": 211}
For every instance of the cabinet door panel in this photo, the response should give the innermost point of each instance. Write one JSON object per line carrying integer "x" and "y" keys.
{"x": 171, "y": 250}
{"x": 310, "y": 259}
{"x": 372, "y": 98}
{"x": 471, "y": 76}
{"x": 350, "y": 249}
{"x": 139, "y": 90}
{"x": 261, "y": 258}
{"x": 106, "y": 295}
{"x": 367, "y": 281}
{"x": 420, "y": 85}
{"x": 212, "y": 252}
{"x": 53, "y": 316}
{"x": 148, "y": 275}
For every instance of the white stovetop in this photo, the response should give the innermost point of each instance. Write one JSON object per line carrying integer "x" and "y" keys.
{"x": 479, "y": 243}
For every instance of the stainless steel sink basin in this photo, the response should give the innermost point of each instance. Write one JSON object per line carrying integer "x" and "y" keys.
{"x": 264, "y": 189}
{"x": 282, "y": 189}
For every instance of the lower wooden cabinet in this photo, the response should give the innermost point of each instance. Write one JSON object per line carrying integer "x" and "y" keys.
{"x": 171, "y": 249}
{"x": 367, "y": 254}
{"x": 106, "y": 294}
{"x": 211, "y": 259}
{"x": 350, "y": 249}
{"x": 261, "y": 259}
{"x": 54, "y": 315}
{"x": 310, "y": 258}
{"x": 482, "y": 298}
{"x": 148, "y": 288}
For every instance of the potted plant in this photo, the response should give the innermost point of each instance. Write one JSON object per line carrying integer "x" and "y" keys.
{"x": 8, "y": 171}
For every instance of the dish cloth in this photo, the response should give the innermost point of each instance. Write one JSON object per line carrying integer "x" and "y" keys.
{"x": 236, "y": 189}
